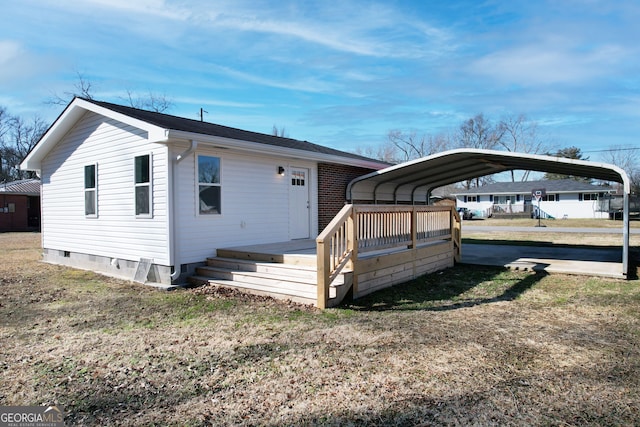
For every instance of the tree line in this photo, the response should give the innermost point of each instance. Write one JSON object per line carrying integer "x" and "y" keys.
{"x": 513, "y": 133}
{"x": 18, "y": 135}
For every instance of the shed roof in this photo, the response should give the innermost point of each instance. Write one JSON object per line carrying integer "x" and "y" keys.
{"x": 412, "y": 181}
{"x": 550, "y": 185}
{"x": 26, "y": 187}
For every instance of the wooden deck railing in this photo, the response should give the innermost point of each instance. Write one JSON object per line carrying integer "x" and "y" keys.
{"x": 366, "y": 228}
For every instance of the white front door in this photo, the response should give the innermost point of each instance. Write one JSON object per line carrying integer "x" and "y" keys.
{"x": 299, "y": 212}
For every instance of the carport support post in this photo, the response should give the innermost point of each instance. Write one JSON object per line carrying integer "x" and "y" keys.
{"x": 625, "y": 235}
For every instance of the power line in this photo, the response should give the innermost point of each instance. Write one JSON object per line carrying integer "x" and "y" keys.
{"x": 612, "y": 149}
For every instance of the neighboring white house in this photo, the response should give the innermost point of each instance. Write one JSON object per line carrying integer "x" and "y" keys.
{"x": 564, "y": 198}
{"x": 123, "y": 187}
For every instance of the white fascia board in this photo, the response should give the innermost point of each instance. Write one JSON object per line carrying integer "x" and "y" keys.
{"x": 69, "y": 117}
{"x": 256, "y": 147}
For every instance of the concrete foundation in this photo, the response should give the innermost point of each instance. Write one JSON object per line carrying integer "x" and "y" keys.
{"x": 116, "y": 267}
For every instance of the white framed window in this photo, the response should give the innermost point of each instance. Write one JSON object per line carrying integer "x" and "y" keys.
{"x": 91, "y": 190}
{"x": 209, "y": 185}
{"x": 503, "y": 200}
{"x": 472, "y": 198}
{"x": 143, "y": 190}
{"x": 551, "y": 198}
{"x": 590, "y": 196}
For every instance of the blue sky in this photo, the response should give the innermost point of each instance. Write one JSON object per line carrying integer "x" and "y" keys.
{"x": 339, "y": 73}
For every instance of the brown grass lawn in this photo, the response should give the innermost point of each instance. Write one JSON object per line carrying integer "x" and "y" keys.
{"x": 466, "y": 346}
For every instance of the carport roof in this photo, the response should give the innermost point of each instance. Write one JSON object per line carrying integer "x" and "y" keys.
{"x": 413, "y": 180}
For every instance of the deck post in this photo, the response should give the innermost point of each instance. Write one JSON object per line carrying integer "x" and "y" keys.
{"x": 324, "y": 253}
{"x": 352, "y": 245}
{"x": 414, "y": 227}
{"x": 456, "y": 234}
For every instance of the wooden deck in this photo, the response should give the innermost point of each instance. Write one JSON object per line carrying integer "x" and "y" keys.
{"x": 365, "y": 248}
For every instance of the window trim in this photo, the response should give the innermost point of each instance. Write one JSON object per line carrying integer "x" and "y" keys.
{"x": 148, "y": 184}
{"x": 588, "y": 197}
{"x": 199, "y": 184}
{"x": 93, "y": 189}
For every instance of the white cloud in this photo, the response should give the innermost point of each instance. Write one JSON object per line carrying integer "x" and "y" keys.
{"x": 158, "y": 8}
{"x": 308, "y": 84}
{"x": 549, "y": 64}
{"x": 366, "y": 29}
{"x": 17, "y": 64}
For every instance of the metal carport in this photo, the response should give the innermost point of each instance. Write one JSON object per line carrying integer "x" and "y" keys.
{"x": 412, "y": 182}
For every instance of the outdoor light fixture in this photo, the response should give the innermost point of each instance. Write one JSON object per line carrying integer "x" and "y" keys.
{"x": 281, "y": 170}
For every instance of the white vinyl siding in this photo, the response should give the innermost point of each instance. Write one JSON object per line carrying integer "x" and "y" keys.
{"x": 116, "y": 232}
{"x": 254, "y": 197}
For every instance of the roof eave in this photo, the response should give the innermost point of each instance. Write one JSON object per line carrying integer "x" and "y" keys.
{"x": 69, "y": 117}
{"x": 250, "y": 146}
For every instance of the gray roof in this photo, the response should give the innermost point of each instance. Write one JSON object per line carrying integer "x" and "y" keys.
{"x": 26, "y": 187}
{"x": 551, "y": 186}
{"x": 167, "y": 121}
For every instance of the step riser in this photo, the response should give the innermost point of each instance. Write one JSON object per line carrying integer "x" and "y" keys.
{"x": 275, "y": 269}
{"x": 308, "y": 261}
{"x": 309, "y": 293}
{"x": 268, "y": 275}
{"x": 260, "y": 281}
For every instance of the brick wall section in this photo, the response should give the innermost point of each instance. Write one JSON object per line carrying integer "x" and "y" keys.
{"x": 13, "y": 221}
{"x": 332, "y": 187}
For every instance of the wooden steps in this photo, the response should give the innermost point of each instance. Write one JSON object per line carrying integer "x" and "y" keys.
{"x": 295, "y": 280}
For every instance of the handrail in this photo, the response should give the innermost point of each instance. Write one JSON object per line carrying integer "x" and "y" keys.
{"x": 335, "y": 248}
{"x": 366, "y": 228}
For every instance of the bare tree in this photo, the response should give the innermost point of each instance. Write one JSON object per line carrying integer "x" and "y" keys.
{"x": 151, "y": 102}
{"x": 282, "y": 132}
{"x": 413, "y": 146}
{"x": 627, "y": 159}
{"x": 18, "y": 138}
{"x": 385, "y": 152}
{"x": 478, "y": 132}
{"x": 518, "y": 134}
{"x": 83, "y": 88}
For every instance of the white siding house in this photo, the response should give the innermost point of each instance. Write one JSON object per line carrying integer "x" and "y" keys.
{"x": 565, "y": 198}
{"x": 126, "y": 190}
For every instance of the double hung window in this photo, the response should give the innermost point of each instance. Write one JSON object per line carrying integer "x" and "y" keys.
{"x": 143, "y": 192}
{"x": 91, "y": 190}
{"x": 209, "y": 191}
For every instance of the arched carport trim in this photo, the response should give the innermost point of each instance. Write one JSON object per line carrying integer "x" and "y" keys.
{"x": 448, "y": 167}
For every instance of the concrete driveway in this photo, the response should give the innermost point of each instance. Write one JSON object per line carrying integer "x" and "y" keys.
{"x": 605, "y": 262}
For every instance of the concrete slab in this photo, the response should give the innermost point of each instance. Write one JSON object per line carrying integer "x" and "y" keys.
{"x": 592, "y": 262}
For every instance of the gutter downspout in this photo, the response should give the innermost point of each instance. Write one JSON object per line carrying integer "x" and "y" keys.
{"x": 174, "y": 240}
